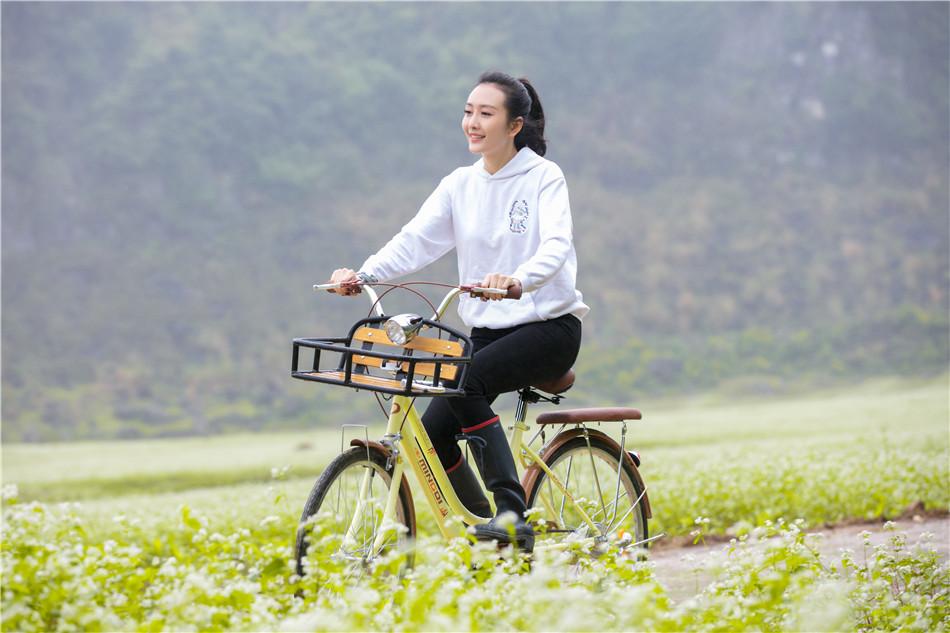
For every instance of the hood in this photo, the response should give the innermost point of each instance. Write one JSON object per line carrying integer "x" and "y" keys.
{"x": 524, "y": 161}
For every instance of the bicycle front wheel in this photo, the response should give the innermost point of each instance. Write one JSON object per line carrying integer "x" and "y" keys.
{"x": 344, "y": 513}
{"x": 596, "y": 480}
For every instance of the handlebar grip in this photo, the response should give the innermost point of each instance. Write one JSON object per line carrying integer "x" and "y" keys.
{"x": 513, "y": 293}
{"x": 330, "y": 287}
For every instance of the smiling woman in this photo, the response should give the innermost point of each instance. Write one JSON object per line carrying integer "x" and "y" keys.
{"x": 492, "y": 134}
{"x": 509, "y": 218}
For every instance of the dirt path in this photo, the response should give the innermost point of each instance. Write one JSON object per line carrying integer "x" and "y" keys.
{"x": 676, "y": 567}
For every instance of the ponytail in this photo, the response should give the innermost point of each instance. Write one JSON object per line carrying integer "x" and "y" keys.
{"x": 521, "y": 100}
{"x": 532, "y": 132}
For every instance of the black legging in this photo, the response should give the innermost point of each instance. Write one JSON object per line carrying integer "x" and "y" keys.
{"x": 504, "y": 360}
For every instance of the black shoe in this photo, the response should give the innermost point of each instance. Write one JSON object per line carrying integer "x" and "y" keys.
{"x": 507, "y": 528}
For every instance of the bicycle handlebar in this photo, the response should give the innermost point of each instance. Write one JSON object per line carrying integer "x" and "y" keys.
{"x": 513, "y": 293}
{"x": 370, "y": 292}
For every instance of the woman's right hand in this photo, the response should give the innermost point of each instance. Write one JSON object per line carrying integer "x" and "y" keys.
{"x": 345, "y": 276}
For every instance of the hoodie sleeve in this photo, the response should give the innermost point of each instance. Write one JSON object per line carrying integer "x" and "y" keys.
{"x": 424, "y": 239}
{"x": 556, "y": 235}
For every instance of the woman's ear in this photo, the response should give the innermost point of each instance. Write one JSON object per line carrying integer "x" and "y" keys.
{"x": 515, "y": 126}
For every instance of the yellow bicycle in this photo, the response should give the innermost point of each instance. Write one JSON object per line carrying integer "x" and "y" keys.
{"x": 581, "y": 485}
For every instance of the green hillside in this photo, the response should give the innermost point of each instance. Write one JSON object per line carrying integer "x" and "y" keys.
{"x": 760, "y": 193}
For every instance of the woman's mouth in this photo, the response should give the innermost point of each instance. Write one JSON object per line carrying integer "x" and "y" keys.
{"x": 474, "y": 138}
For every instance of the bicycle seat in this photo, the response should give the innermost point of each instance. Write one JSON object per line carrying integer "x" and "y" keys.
{"x": 558, "y": 385}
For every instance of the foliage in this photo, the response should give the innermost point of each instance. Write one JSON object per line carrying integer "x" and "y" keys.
{"x": 192, "y": 573}
{"x": 770, "y": 360}
{"x": 754, "y": 576}
{"x": 820, "y": 482}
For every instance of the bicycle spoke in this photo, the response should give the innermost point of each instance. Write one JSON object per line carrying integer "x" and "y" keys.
{"x": 593, "y": 467}
{"x": 567, "y": 486}
{"x": 611, "y": 506}
{"x": 372, "y": 534}
{"x": 547, "y": 498}
{"x": 339, "y": 493}
{"x": 636, "y": 503}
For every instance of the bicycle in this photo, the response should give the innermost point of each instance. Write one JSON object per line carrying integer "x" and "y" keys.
{"x": 582, "y": 485}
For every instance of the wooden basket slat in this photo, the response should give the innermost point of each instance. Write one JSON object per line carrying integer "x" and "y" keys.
{"x": 448, "y": 371}
{"x": 421, "y": 343}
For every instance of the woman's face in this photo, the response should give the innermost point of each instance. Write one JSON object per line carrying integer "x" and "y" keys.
{"x": 485, "y": 122}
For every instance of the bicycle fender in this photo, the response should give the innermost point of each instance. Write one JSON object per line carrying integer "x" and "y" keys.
{"x": 383, "y": 452}
{"x": 531, "y": 474}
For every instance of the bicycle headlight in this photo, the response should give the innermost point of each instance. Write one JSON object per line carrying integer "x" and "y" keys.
{"x": 402, "y": 328}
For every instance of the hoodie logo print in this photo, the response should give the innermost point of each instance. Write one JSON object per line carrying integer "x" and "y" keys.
{"x": 518, "y": 217}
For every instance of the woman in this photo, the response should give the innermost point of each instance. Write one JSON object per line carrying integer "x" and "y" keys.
{"x": 509, "y": 219}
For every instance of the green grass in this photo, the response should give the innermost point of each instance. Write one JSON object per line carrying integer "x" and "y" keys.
{"x": 884, "y": 406}
{"x": 89, "y": 470}
{"x": 55, "y": 462}
{"x": 878, "y": 412}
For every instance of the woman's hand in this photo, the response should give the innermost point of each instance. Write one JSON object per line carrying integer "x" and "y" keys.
{"x": 345, "y": 276}
{"x": 498, "y": 280}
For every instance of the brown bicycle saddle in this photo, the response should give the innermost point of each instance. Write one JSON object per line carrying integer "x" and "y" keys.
{"x": 558, "y": 385}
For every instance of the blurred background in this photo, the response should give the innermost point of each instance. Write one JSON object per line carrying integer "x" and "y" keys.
{"x": 759, "y": 190}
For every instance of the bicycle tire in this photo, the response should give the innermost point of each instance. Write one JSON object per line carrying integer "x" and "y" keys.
{"x": 621, "y": 497}
{"x": 345, "y": 475}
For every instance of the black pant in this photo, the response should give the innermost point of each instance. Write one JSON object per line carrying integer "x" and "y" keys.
{"x": 504, "y": 360}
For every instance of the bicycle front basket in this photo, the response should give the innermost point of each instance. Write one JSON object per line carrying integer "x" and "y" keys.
{"x": 368, "y": 359}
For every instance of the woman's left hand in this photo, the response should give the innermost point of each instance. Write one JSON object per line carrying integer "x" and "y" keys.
{"x": 498, "y": 280}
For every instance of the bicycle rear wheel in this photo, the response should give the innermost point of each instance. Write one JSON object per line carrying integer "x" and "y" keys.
{"x": 608, "y": 489}
{"x": 344, "y": 514}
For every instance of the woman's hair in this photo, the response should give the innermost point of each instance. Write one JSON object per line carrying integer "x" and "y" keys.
{"x": 521, "y": 100}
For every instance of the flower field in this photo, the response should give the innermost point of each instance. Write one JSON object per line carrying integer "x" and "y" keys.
{"x": 122, "y": 555}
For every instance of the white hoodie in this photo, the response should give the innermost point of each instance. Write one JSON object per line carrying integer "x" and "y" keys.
{"x": 516, "y": 221}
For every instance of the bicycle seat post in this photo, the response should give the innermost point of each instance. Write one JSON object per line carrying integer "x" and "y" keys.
{"x": 526, "y": 396}
{"x": 521, "y": 409}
